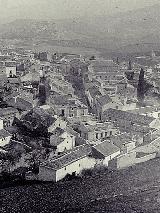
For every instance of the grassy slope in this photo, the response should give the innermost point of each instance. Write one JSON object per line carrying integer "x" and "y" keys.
{"x": 125, "y": 189}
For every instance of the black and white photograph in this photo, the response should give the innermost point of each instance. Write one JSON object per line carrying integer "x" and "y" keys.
{"x": 79, "y": 106}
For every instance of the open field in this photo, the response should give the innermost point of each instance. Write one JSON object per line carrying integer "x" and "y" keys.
{"x": 135, "y": 189}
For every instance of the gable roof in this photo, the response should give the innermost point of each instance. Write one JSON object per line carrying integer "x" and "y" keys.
{"x": 70, "y": 157}
{"x": 106, "y": 148}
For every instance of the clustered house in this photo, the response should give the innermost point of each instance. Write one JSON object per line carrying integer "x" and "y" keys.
{"x": 60, "y": 128}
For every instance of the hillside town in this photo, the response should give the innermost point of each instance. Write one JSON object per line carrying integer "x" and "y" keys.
{"x": 64, "y": 114}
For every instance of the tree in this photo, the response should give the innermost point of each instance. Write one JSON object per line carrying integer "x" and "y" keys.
{"x": 129, "y": 65}
{"x": 42, "y": 94}
{"x": 141, "y": 86}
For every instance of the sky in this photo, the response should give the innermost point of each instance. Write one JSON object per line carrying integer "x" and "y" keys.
{"x": 62, "y": 9}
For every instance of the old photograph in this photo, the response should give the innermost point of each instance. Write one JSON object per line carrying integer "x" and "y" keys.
{"x": 79, "y": 106}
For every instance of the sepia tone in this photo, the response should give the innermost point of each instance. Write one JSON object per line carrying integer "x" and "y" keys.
{"x": 79, "y": 106}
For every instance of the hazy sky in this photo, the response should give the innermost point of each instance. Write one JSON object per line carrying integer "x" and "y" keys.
{"x": 58, "y": 9}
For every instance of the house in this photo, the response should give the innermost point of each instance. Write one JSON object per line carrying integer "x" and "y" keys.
{"x": 14, "y": 83}
{"x": 44, "y": 56}
{"x": 59, "y": 121}
{"x": 61, "y": 86}
{"x": 4, "y": 137}
{"x": 68, "y": 107}
{"x": 130, "y": 159}
{"x": 70, "y": 57}
{"x": 106, "y": 102}
{"x": 126, "y": 119}
{"x": 62, "y": 140}
{"x": 92, "y": 93}
{"x": 20, "y": 104}
{"x": 124, "y": 142}
{"x": 104, "y": 152}
{"x": 7, "y": 115}
{"x": 10, "y": 69}
{"x": 95, "y": 132}
{"x": 73, "y": 163}
{"x": 139, "y": 126}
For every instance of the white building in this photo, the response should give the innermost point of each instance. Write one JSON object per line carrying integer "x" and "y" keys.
{"x": 10, "y": 69}
{"x": 72, "y": 163}
{"x": 62, "y": 140}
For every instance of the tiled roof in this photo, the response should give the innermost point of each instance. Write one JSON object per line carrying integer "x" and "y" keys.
{"x": 106, "y": 148}
{"x": 94, "y": 91}
{"x": 139, "y": 119}
{"x": 11, "y": 129}
{"x": 57, "y": 140}
{"x": 58, "y": 132}
{"x": 19, "y": 104}
{"x": 120, "y": 140}
{"x": 70, "y": 157}
{"x": 14, "y": 80}
{"x": 4, "y": 133}
{"x": 59, "y": 100}
{"x": 10, "y": 64}
{"x": 100, "y": 63}
{"x": 7, "y": 111}
{"x": 105, "y": 99}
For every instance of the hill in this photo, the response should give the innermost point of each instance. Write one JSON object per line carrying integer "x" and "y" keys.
{"x": 120, "y": 32}
{"x": 135, "y": 189}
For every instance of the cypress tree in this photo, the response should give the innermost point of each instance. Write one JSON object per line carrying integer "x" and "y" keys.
{"x": 140, "y": 88}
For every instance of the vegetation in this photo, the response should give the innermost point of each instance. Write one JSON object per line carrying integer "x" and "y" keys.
{"x": 135, "y": 189}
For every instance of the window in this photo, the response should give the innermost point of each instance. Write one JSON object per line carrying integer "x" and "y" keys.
{"x": 63, "y": 113}
{"x": 106, "y": 134}
{"x": 102, "y": 135}
{"x": 65, "y": 168}
{"x": 110, "y": 133}
{"x": 79, "y": 164}
{"x": 97, "y": 135}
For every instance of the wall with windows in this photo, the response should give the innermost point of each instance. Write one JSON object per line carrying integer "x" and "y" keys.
{"x": 10, "y": 71}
